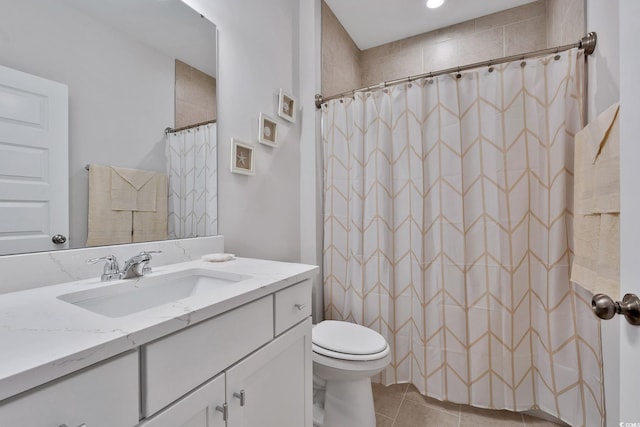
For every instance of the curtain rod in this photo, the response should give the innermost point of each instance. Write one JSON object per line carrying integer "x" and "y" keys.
{"x": 587, "y": 43}
{"x": 195, "y": 125}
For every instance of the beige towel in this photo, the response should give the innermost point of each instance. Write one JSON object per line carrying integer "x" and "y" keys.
{"x": 148, "y": 226}
{"x": 133, "y": 190}
{"x": 596, "y": 223}
{"x": 105, "y": 226}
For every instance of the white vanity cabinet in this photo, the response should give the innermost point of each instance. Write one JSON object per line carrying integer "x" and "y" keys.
{"x": 176, "y": 364}
{"x": 103, "y": 395}
{"x": 269, "y": 388}
{"x": 248, "y": 365}
{"x": 259, "y": 380}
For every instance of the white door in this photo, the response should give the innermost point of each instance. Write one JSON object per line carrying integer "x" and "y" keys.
{"x": 34, "y": 190}
{"x": 629, "y": 209}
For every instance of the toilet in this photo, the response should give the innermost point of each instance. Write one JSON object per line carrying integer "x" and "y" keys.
{"x": 345, "y": 357}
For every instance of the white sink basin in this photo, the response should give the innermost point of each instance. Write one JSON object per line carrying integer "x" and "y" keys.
{"x": 130, "y": 296}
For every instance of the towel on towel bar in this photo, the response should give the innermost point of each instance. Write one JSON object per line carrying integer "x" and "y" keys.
{"x": 148, "y": 226}
{"x": 133, "y": 190}
{"x": 105, "y": 226}
{"x": 596, "y": 223}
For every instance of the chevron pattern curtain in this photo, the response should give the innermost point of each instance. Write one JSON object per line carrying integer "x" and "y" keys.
{"x": 193, "y": 188}
{"x": 447, "y": 228}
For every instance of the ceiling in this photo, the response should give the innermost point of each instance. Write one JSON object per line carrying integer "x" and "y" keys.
{"x": 371, "y": 23}
{"x": 169, "y": 26}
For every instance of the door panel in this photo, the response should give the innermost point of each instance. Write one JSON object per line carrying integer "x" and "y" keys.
{"x": 34, "y": 195}
{"x": 276, "y": 381}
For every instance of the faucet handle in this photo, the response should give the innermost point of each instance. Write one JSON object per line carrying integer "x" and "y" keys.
{"x": 111, "y": 269}
{"x": 146, "y": 268}
{"x": 149, "y": 252}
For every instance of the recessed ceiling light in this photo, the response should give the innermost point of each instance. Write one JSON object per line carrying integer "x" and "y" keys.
{"x": 432, "y": 4}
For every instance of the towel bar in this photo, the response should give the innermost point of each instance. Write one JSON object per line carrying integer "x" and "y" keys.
{"x": 605, "y": 308}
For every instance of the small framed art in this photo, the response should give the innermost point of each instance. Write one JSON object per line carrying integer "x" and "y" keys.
{"x": 242, "y": 157}
{"x": 287, "y": 106}
{"x": 267, "y": 130}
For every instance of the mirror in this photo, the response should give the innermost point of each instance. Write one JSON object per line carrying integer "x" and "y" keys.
{"x": 132, "y": 68}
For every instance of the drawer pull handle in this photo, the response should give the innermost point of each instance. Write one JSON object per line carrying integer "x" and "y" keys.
{"x": 225, "y": 411}
{"x": 300, "y": 306}
{"x": 81, "y": 425}
{"x": 240, "y": 396}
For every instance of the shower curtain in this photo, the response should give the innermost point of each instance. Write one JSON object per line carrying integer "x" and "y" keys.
{"x": 193, "y": 195}
{"x": 447, "y": 228}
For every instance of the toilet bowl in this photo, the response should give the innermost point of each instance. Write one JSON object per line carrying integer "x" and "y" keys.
{"x": 345, "y": 357}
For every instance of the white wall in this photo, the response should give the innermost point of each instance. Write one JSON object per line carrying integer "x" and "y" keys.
{"x": 311, "y": 196}
{"x": 257, "y": 55}
{"x": 604, "y": 90}
{"x": 111, "y": 120}
{"x": 263, "y": 46}
{"x": 604, "y": 64}
{"x": 630, "y": 206}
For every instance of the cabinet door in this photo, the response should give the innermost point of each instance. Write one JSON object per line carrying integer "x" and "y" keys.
{"x": 196, "y": 409}
{"x": 276, "y": 383}
{"x": 105, "y": 395}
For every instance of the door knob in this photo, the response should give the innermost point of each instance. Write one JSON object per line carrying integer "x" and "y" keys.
{"x": 605, "y": 308}
{"x": 59, "y": 239}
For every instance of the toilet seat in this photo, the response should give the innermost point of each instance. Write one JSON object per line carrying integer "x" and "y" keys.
{"x": 349, "y": 357}
{"x": 348, "y": 341}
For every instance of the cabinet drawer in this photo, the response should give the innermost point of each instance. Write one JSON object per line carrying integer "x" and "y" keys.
{"x": 293, "y": 304}
{"x": 198, "y": 408}
{"x": 175, "y": 365}
{"x": 103, "y": 395}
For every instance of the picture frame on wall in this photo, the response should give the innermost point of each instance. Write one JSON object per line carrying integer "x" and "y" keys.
{"x": 267, "y": 131}
{"x": 287, "y": 106}
{"x": 242, "y": 157}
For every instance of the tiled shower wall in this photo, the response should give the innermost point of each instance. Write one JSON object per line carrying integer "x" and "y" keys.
{"x": 512, "y": 31}
{"x": 195, "y": 96}
{"x": 529, "y": 27}
{"x": 566, "y": 21}
{"x": 340, "y": 56}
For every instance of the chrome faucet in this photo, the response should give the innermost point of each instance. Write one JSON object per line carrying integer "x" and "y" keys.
{"x": 111, "y": 269}
{"x": 138, "y": 265}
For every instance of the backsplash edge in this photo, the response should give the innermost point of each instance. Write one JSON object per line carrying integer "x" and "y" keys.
{"x": 33, "y": 270}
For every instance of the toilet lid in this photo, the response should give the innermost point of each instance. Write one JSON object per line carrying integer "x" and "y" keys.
{"x": 347, "y": 338}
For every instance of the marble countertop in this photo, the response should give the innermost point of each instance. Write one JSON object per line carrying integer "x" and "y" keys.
{"x": 43, "y": 338}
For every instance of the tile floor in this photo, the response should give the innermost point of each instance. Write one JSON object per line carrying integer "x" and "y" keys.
{"x": 401, "y": 405}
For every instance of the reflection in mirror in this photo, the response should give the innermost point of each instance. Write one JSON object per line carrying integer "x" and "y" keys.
{"x": 131, "y": 69}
